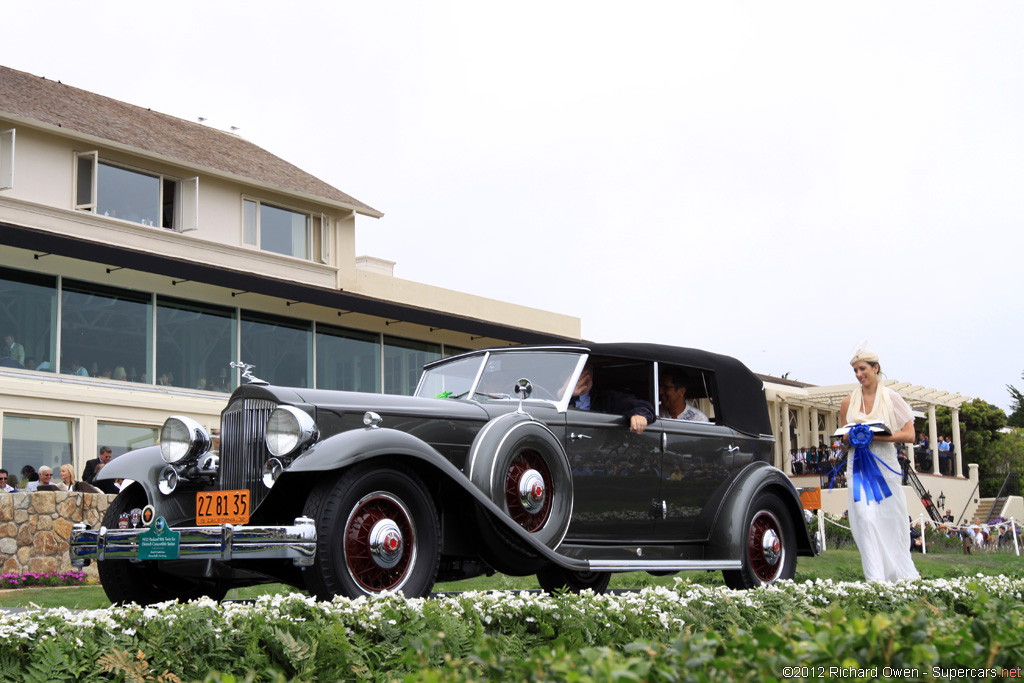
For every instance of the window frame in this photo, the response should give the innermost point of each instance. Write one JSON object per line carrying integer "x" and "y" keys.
{"x": 186, "y": 197}
{"x": 318, "y": 241}
{"x": 7, "y": 159}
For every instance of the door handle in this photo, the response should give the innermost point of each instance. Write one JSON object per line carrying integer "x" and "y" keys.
{"x": 573, "y": 436}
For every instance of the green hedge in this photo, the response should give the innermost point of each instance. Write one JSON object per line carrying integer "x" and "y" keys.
{"x": 687, "y": 633}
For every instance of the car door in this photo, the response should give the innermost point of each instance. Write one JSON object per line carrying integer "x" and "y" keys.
{"x": 616, "y": 477}
{"x": 699, "y": 460}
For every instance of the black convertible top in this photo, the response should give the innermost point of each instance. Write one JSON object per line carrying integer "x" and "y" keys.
{"x": 741, "y": 402}
{"x": 741, "y": 399}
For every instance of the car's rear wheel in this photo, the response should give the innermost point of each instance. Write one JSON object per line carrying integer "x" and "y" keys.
{"x": 553, "y": 578}
{"x": 377, "y": 530}
{"x": 769, "y": 545}
{"x": 145, "y": 583}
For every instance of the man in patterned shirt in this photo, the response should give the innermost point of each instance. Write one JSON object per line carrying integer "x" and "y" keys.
{"x": 672, "y": 392}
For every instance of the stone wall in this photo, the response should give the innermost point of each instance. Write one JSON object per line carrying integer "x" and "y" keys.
{"x": 35, "y": 528}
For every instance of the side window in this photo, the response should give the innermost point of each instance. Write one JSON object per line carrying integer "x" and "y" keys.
{"x": 635, "y": 378}
{"x": 686, "y": 393}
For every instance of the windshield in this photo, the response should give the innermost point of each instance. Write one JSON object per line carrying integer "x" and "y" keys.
{"x": 548, "y": 371}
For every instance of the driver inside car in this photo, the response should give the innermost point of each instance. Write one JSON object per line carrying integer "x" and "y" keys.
{"x": 585, "y": 397}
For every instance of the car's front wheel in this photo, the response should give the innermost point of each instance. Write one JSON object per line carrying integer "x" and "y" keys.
{"x": 377, "y": 530}
{"x": 149, "y": 582}
{"x": 553, "y": 578}
{"x": 768, "y": 547}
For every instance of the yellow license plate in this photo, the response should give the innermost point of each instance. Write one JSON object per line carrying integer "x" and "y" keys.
{"x": 222, "y": 507}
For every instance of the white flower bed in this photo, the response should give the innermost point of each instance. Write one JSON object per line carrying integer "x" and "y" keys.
{"x": 666, "y": 607}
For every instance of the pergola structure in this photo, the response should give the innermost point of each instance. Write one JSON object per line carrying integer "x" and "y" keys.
{"x": 812, "y": 412}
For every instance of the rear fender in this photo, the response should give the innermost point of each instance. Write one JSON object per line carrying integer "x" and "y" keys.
{"x": 728, "y": 538}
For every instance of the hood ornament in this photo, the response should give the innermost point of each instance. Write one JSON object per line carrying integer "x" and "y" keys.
{"x": 247, "y": 372}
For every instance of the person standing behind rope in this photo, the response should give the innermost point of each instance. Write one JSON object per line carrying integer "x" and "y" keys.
{"x": 878, "y": 507}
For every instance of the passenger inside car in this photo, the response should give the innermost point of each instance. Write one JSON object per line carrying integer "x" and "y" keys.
{"x": 605, "y": 400}
{"x": 672, "y": 389}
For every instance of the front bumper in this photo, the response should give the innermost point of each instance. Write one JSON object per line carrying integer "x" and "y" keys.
{"x": 224, "y": 543}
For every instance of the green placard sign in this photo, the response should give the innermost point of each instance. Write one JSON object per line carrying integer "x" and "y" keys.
{"x": 159, "y": 542}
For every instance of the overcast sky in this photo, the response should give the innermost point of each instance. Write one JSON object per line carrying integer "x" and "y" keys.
{"x": 773, "y": 181}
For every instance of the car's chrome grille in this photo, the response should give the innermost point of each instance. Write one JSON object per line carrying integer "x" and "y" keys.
{"x": 243, "y": 452}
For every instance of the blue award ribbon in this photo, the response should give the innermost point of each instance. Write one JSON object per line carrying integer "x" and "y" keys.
{"x": 866, "y": 472}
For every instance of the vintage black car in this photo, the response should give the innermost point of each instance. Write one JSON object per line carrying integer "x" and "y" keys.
{"x": 486, "y": 469}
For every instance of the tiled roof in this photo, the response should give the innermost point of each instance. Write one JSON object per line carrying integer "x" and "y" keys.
{"x": 194, "y": 144}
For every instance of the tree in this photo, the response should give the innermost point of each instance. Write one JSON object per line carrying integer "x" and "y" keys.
{"x": 1004, "y": 456}
{"x": 1016, "y": 418}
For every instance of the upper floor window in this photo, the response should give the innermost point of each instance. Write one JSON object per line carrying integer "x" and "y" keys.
{"x": 133, "y": 195}
{"x": 6, "y": 159}
{"x": 284, "y": 231}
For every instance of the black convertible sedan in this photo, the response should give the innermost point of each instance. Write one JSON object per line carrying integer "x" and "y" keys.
{"x": 490, "y": 467}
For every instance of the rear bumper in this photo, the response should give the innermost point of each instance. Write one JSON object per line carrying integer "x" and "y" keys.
{"x": 225, "y": 543}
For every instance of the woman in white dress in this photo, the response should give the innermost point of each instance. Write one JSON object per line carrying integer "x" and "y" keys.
{"x": 880, "y": 527}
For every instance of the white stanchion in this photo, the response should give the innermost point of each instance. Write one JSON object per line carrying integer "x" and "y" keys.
{"x": 924, "y": 541}
{"x": 1013, "y": 530}
{"x": 821, "y": 528}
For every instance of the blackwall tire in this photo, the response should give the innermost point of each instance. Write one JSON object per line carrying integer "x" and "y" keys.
{"x": 377, "y": 530}
{"x": 144, "y": 583}
{"x": 769, "y": 545}
{"x": 553, "y": 578}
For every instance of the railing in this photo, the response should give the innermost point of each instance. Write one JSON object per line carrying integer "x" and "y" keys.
{"x": 1010, "y": 487}
{"x": 909, "y": 476}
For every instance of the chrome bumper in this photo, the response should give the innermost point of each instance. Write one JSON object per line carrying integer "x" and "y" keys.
{"x": 224, "y": 543}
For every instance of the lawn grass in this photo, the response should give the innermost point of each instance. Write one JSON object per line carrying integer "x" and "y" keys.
{"x": 837, "y": 564}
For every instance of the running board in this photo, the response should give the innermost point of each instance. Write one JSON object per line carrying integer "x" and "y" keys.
{"x": 662, "y": 565}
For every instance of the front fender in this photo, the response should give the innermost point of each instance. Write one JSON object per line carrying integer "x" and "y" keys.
{"x": 143, "y": 466}
{"x": 728, "y": 538}
{"x": 357, "y": 445}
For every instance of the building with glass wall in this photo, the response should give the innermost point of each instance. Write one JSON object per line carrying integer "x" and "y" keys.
{"x": 141, "y": 254}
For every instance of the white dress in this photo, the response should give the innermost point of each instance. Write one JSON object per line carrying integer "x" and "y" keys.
{"x": 882, "y": 529}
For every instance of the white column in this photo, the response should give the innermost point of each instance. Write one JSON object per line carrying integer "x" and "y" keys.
{"x": 783, "y": 413}
{"x": 958, "y": 457}
{"x": 802, "y": 427}
{"x": 933, "y": 433}
{"x": 814, "y": 427}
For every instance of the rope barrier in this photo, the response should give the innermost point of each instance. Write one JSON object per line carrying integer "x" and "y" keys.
{"x": 1011, "y": 523}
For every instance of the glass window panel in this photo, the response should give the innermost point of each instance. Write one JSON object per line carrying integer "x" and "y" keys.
{"x": 280, "y": 349}
{"x": 194, "y": 344}
{"x": 450, "y": 350}
{"x": 403, "y": 363}
{"x": 170, "y": 200}
{"x": 249, "y": 222}
{"x": 123, "y": 438}
{"x": 128, "y": 195}
{"x": 347, "y": 360}
{"x": 28, "y": 311}
{"x": 83, "y": 192}
{"x": 283, "y": 231}
{"x": 36, "y": 441}
{"x": 104, "y": 331}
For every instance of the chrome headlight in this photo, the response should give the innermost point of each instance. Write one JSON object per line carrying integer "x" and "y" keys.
{"x": 289, "y": 430}
{"x": 182, "y": 438}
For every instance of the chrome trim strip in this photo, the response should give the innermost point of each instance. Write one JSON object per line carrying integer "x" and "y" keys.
{"x": 662, "y": 565}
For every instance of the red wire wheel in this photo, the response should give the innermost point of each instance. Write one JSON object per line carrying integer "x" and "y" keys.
{"x": 764, "y": 546}
{"x": 528, "y": 490}
{"x": 380, "y": 543}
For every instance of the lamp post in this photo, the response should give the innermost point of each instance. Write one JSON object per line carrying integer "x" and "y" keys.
{"x": 942, "y": 501}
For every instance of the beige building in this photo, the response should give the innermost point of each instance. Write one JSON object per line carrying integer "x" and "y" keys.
{"x": 141, "y": 254}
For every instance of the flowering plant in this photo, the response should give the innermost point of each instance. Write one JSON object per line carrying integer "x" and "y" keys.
{"x": 68, "y": 577}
